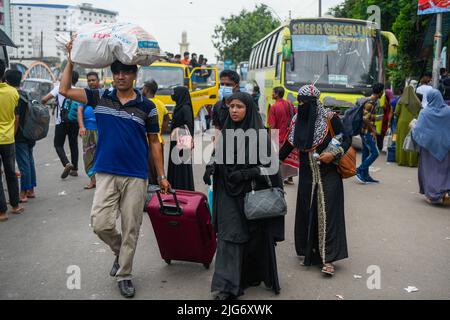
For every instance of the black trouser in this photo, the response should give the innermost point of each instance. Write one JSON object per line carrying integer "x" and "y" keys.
{"x": 61, "y": 131}
{"x": 8, "y": 157}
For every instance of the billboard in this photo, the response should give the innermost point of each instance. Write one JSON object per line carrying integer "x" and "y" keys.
{"x": 433, "y": 6}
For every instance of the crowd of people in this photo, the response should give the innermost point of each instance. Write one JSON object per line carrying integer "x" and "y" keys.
{"x": 123, "y": 151}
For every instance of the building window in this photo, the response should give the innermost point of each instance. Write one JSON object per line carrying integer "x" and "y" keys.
{"x": 2, "y": 18}
{"x": 20, "y": 14}
{"x": 29, "y": 28}
{"x": 21, "y": 33}
{"x": 30, "y": 53}
{"x": 21, "y": 40}
{"x": 21, "y": 21}
{"x": 21, "y": 27}
{"x": 30, "y": 34}
{"x": 29, "y": 15}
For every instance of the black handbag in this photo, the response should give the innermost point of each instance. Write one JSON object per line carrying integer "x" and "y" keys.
{"x": 266, "y": 203}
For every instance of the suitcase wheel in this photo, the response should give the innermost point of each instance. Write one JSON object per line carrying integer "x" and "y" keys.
{"x": 168, "y": 261}
{"x": 206, "y": 265}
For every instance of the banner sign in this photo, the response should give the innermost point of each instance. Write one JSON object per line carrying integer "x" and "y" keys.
{"x": 433, "y": 6}
{"x": 337, "y": 29}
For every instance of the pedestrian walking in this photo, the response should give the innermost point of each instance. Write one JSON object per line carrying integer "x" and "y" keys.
{"x": 432, "y": 134}
{"x": 320, "y": 234}
{"x": 425, "y": 87}
{"x": 88, "y": 131}
{"x": 9, "y": 99}
{"x": 180, "y": 172}
{"x": 66, "y": 125}
{"x": 370, "y": 151}
{"x": 149, "y": 91}
{"x": 229, "y": 84}
{"x": 386, "y": 115}
{"x": 246, "y": 248}
{"x": 24, "y": 147}
{"x": 127, "y": 125}
{"x": 407, "y": 109}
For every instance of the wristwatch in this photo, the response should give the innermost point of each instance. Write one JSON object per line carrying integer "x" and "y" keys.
{"x": 161, "y": 178}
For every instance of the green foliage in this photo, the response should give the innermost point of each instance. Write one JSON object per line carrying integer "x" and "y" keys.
{"x": 236, "y": 35}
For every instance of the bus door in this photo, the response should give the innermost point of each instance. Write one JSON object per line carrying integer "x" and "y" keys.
{"x": 204, "y": 88}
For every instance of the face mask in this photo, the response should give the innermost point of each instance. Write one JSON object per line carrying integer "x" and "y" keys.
{"x": 225, "y": 92}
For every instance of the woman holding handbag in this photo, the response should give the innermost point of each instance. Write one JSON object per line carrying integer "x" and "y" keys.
{"x": 320, "y": 234}
{"x": 246, "y": 248}
{"x": 180, "y": 173}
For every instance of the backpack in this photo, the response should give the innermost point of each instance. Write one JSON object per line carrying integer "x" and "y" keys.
{"x": 37, "y": 119}
{"x": 353, "y": 117}
{"x": 69, "y": 110}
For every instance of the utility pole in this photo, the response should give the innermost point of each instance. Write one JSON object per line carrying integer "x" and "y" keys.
{"x": 320, "y": 8}
{"x": 437, "y": 51}
{"x": 42, "y": 44}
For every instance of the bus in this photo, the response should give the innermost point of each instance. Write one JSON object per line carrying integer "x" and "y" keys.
{"x": 343, "y": 58}
{"x": 203, "y": 83}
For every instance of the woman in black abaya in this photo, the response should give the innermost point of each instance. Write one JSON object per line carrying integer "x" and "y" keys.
{"x": 319, "y": 223}
{"x": 180, "y": 174}
{"x": 246, "y": 249}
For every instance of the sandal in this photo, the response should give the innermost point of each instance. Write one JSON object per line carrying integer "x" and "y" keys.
{"x": 328, "y": 268}
{"x": 18, "y": 211}
{"x": 31, "y": 195}
{"x": 89, "y": 187}
{"x": 446, "y": 199}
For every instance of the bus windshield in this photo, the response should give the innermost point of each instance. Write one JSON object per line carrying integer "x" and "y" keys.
{"x": 165, "y": 77}
{"x": 337, "y": 56}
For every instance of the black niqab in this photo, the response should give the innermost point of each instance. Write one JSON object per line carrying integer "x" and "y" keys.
{"x": 305, "y": 125}
{"x": 183, "y": 113}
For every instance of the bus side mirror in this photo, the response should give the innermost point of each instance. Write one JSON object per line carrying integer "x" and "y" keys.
{"x": 287, "y": 49}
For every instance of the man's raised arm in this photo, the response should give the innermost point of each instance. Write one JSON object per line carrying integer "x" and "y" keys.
{"x": 65, "y": 87}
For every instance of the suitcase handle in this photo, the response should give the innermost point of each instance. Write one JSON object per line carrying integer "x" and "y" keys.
{"x": 168, "y": 209}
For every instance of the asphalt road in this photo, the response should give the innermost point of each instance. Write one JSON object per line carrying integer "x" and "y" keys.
{"x": 389, "y": 226}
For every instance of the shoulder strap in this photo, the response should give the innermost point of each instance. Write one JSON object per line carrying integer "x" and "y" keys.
{"x": 330, "y": 127}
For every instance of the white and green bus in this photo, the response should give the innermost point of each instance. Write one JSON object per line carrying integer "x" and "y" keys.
{"x": 342, "y": 57}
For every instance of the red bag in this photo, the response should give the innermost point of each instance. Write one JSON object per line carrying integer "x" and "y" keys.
{"x": 183, "y": 227}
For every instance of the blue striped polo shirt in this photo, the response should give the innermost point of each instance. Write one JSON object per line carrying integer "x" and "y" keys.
{"x": 122, "y": 147}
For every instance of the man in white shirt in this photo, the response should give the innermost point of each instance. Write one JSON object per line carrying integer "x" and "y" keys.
{"x": 425, "y": 87}
{"x": 63, "y": 128}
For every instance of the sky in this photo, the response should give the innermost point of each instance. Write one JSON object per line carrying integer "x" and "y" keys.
{"x": 167, "y": 19}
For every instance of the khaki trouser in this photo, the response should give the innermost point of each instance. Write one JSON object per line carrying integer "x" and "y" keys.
{"x": 114, "y": 196}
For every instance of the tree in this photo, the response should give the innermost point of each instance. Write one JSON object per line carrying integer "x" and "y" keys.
{"x": 236, "y": 35}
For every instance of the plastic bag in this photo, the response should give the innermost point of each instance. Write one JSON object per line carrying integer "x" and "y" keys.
{"x": 99, "y": 45}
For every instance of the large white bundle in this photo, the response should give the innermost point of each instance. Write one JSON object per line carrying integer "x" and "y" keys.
{"x": 99, "y": 45}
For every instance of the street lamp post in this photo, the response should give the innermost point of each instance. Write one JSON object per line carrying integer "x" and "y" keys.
{"x": 320, "y": 8}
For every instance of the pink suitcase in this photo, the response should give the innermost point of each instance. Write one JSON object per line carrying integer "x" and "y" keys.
{"x": 183, "y": 227}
